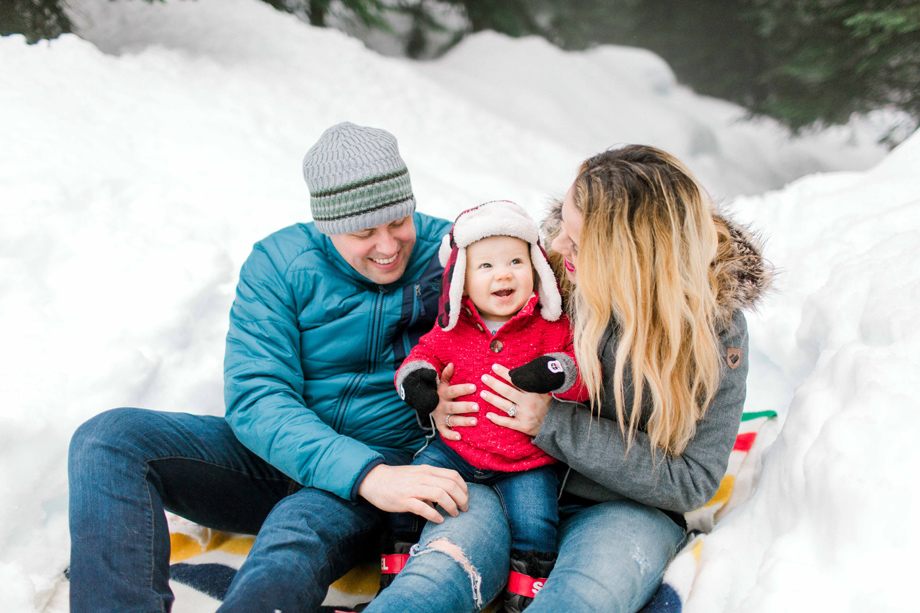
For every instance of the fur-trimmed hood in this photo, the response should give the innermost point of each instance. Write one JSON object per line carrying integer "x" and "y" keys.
{"x": 746, "y": 275}
{"x": 743, "y": 262}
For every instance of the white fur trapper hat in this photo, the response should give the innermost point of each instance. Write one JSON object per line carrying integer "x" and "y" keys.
{"x": 496, "y": 218}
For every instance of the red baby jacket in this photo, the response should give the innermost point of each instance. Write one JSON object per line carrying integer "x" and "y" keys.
{"x": 473, "y": 350}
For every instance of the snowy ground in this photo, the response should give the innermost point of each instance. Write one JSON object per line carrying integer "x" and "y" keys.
{"x": 141, "y": 161}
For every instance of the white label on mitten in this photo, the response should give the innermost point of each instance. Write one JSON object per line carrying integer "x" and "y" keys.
{"x": 402, "y": 392}
{"x": 554, "y": 366}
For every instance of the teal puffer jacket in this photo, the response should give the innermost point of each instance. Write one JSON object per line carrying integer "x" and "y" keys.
{"x": 312, "y": 351}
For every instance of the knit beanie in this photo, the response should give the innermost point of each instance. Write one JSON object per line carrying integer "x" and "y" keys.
{"x": 496, "y": 218}
{"x": 357, "y": 180}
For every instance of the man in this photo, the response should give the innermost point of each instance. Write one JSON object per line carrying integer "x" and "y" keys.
{"x": 315, "y": 438}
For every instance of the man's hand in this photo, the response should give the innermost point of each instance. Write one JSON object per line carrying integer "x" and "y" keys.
{"x": 415, "y": 489}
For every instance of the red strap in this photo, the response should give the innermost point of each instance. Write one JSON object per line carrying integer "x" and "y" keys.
{"x": 525, "y": 585}
{"x": 391, "y": 564}
{"x": 744, "y": 441}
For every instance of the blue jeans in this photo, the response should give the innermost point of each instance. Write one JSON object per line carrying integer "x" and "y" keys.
{"x": 528, "y": 497}
{"x": 127, "y": 465}
{"x": 434, "y": 581}
{"x": 612, "y": 556}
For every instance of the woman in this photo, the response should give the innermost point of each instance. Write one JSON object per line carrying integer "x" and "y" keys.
{"x": 655, "y": 286}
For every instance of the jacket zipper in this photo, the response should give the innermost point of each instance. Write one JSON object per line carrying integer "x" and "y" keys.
{"x": 419, "y": 301}
{"x": 347, "y": 393}
{"x": 355, "y": 382}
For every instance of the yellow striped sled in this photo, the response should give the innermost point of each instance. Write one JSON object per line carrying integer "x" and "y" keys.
{"x": 736, "y": 487}
{"x": 204, "y": 561}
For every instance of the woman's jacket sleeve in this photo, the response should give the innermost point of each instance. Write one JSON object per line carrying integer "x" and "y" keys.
{"x": 595, "y": 448}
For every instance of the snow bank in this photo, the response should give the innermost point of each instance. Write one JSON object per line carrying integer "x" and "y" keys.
{"x": 588, "y": 101}
{"x": 832, "y": 525}
{"x": 141, "y": 161}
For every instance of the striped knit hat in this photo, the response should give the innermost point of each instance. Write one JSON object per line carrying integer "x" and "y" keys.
{"x": 357, "y": 180}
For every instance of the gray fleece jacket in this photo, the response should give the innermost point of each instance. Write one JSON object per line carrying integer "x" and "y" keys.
{"x": 599, "y": 469}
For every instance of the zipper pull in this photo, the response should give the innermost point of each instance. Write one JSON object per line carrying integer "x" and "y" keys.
{"x": 418, "y": 295}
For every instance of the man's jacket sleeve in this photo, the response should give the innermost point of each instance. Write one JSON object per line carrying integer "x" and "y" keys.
{"x": 263, "y": 384}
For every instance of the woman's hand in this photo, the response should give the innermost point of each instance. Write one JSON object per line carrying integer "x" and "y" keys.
{"x": 448, "y": 409}
{"x": 529, "y": 409}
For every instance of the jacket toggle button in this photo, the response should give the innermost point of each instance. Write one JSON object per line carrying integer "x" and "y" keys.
{"x": 496, "y": 346}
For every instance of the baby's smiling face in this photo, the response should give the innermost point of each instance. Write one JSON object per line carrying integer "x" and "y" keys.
{"x": 499, "y": 276}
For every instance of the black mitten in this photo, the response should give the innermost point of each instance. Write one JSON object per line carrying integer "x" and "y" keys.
{"x": 544, "y": 374}
{"x": 420, "y": 391}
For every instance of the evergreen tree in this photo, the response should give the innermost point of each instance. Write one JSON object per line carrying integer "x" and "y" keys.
{"x": 45, "y": 19}
{"x": 800, "y": 61}
{"x": 36, "y": 19}
{"x": 827, "y": 59}
{"x": 368, "y": 12}
{"x": 511, "y": 17}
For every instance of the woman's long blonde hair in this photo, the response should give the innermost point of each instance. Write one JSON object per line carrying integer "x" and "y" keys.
{"x": 646, "y": 261}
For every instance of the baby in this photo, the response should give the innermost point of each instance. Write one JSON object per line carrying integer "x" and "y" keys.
{"x": 491, "y": 313}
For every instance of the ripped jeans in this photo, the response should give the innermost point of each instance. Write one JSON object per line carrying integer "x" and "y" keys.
{"x": 528, "y": 497}
{"x": 612, "y": 556}
{"x": 128, "y": 465}
{"x": 434, "y": 581}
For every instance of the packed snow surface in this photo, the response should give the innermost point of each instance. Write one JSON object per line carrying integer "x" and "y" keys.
{"x": 141, "y": 159}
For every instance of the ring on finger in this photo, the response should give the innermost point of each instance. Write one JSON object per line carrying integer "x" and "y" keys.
{"x": 513, "y": 410}
{"x": 447, "y": 421}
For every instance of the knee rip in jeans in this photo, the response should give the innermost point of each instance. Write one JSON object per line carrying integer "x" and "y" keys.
{"x": 442, "y": 545}
{"x": 641, "y": 560}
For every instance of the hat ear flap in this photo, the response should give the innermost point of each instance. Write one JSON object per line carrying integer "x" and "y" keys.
{"x": 445, "y": 249}
{"x": 550, "y": 295}
{"x": 451, "y": 288}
